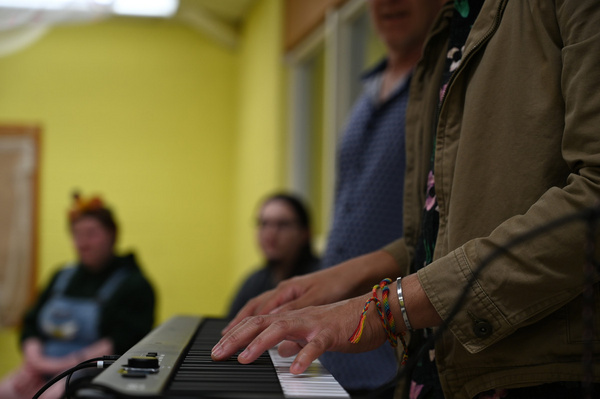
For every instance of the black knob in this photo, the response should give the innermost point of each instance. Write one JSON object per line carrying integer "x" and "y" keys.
{"x": 143, "y": 362}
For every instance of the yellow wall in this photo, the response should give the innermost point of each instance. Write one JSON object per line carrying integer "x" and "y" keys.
{"x": 317, "y": 131}
{"x": 261, "y": 144}
{"x": 180, "y": 134}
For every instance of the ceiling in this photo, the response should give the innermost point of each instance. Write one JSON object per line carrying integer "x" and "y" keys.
{"x": 231, "y": 11}
{"x": 219, "y": 19}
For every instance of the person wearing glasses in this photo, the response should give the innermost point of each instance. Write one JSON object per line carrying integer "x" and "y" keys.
{"x": 283, "y": 234}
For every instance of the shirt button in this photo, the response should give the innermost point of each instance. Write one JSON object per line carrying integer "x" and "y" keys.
{"x": 482, "y": 329}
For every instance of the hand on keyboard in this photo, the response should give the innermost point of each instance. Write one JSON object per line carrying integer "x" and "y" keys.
{"x": 309, "y": 332}
{"x": 294, "y": 293}
{"x": 343, "y": 281}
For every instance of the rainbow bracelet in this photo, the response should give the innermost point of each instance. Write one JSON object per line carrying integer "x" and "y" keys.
{"x": 385, "y": 315}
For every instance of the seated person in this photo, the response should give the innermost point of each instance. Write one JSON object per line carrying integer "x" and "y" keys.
{"x": 100, "y": 305}
{"x": 284, "y": 237}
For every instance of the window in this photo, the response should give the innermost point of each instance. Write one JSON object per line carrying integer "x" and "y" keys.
{"x": 324, "y": 73}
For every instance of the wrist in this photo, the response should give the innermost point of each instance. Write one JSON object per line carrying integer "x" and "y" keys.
{"x": 386, "y": 315}
{"x": 369, "y": 269}
{"x": 419, "y": 309}
{"x": 402, "y": 305}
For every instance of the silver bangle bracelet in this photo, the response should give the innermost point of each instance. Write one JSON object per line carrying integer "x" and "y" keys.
{"x": 401, "y": 301}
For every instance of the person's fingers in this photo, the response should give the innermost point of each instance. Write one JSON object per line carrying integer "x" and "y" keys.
{"x": 283, "y": 294}
{"x": 299, "y": 303}
{"x": 287, "y": 291}
{"x": 315, "y": 329}
{"x": 237, "y": 337}
{"x": 271, "y": 336}
{"x": 288, "y": 348}
{"x": 250, "y": 309}
{"x": 310, "y": 352}
{"x": 266, "y": 302}
{"x": 257, "y": 334}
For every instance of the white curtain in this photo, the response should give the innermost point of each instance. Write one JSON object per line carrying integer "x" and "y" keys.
{"x": 17, "y": 196}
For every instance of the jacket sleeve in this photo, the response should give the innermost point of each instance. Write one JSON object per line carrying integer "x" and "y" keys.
{"x": 401, "y": 254}
{"x": 529, "y": 281}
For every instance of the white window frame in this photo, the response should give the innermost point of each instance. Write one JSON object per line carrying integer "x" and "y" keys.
{"x": 336, "y": 36}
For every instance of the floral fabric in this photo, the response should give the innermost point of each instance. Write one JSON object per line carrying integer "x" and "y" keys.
{"x": 424, "y": 379}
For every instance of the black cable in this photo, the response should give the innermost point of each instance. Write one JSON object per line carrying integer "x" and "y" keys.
{"x": 60, "y": 376}
{"x": 590, "y": 215}
{"x": 101, "y": 358}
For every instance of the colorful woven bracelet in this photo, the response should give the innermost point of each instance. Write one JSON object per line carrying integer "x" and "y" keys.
{"x": 385, "y": 315}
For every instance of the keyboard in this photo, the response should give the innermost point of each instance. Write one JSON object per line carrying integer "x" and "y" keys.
{"x": 173, "y": 362}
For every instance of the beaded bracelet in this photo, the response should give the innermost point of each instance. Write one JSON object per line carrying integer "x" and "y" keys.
{"x": 385, "y": 315}
{"x": 401, "y": 302}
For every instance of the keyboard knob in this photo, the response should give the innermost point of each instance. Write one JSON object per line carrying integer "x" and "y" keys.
{"x": 143, "y": 362}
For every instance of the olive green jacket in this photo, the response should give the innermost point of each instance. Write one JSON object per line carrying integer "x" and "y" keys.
{"x": 517, "y": 145}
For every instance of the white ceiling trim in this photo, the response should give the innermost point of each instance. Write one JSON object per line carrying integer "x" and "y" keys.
{"x": 199, "y": 18}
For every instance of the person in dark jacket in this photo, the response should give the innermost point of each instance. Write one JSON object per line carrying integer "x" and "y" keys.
{"x": 99, "y": 305}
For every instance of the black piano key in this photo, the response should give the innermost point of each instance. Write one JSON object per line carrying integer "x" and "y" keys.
{"x": 202, "y": 387}
{"x": 199, "y": 376}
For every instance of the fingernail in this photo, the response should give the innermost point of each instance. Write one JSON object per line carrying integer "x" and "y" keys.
{"x": 245, "y": 354}
{"x": 295, "y": 368}
{"x": 217, "y": 351}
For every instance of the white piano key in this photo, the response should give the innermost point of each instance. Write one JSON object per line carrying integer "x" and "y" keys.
{"x": 315, "y": 382}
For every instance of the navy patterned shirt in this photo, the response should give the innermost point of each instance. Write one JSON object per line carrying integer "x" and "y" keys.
{"x": 367, "y": 212}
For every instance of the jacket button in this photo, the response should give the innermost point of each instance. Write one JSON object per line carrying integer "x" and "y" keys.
{"x": 482, "y": 329}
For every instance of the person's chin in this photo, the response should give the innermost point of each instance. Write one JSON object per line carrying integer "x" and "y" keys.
{"x": 273, "y": 259}
{"x": 91, "y": 264}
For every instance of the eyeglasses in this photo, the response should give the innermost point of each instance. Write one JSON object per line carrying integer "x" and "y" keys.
{"x": 278, "y": 225}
